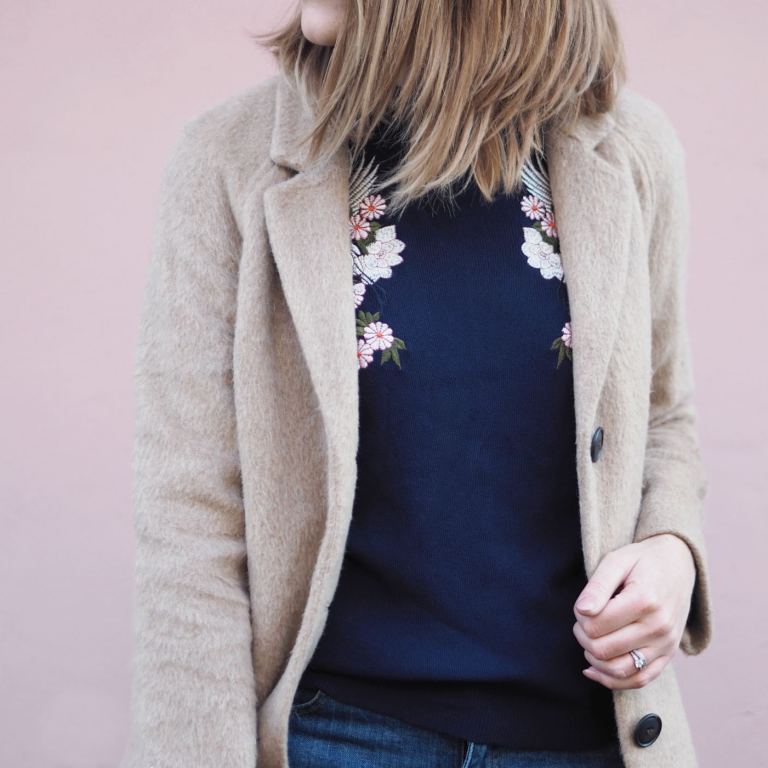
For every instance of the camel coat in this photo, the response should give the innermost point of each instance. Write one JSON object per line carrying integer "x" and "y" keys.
{"x": 246, "y": 433}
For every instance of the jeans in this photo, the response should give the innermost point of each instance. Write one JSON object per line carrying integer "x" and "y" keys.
{"x": 326, "y": 733}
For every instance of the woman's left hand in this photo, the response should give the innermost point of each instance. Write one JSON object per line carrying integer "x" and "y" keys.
{"x": 655, "y": 577}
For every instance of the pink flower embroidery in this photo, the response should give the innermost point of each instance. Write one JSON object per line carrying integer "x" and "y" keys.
{"x": 364, "y": 353}
{"x": 566, "y": 337}
{"x": 372, "y": 206}
{"x": 548, "y": 224}
{"x": 532, "y": 207}
{"x": 359, "y": 227}
{"x": 379, "y": 335}
{"x": 563, "y": 344}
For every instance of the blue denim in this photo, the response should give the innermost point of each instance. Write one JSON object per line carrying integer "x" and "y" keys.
{"x": 326, "y": 733}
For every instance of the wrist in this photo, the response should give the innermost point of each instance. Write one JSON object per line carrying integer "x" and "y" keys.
{"x": 679, "y": 542}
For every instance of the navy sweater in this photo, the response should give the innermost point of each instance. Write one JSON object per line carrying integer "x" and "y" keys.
{"x": 454, "y": 609}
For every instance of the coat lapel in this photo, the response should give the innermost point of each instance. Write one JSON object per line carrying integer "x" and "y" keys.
{"x": 307, "y": 217}
{"x": 592, "y": 197}
{"x": 307, "y": 220}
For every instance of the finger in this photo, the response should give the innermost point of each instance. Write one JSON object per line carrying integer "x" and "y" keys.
{"x": 640, "y": 679}
{"x": 626, "y": 607}
{"x": 623, "y": 665}
{"x": 606, "y": 579}
{"x": 635, "y": 635}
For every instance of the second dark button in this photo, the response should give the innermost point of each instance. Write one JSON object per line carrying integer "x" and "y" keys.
{"x": 597, "y": 444}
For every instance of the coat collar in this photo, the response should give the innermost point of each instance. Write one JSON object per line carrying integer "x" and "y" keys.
{"x": 307, "y": 216}
{"x": 292, "y": 119}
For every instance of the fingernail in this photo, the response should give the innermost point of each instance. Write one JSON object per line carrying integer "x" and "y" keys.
{"x": 585, "y": 605}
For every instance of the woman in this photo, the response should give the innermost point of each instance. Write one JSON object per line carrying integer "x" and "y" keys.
{"x": 415, "y": 440}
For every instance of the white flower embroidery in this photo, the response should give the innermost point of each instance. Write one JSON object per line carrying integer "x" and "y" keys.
{"x": 383, "y": 254}
{"x": 379, "y": 335}
{"x": 359, "y": 290}
{"x": 541, "y": 254}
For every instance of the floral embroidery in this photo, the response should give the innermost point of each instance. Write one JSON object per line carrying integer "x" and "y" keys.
{"x": 548, "y": 224}
{"x": 541, "y": 254}
{"x": 364, "y": 353}
{"x": 541, "y": 244}
{"x": 375, "y": 250}
{"x": 359, "y": 228}
{"x": 359, "y": 291}
{"x": 532, "y": 207}
{"x": 563, "y": 344}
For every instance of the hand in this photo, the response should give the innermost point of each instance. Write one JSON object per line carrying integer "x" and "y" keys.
{"x": 654, "y": 579}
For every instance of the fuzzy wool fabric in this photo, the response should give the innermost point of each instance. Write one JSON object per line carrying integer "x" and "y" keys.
{"x": 246, "y": 433}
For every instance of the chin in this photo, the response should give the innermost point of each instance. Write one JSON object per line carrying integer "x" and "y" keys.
{"x": 319, "y": 27}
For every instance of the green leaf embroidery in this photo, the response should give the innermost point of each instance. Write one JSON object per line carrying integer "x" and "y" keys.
{"x": 365, "y": 318}
{"x": 563, "y": 350}
{"x": 553, "y": 241}
{"x": 393, "y": 352}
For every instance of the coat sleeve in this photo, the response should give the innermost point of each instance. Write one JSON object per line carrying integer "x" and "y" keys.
{"x": 193, "y": 689}
{"x": 674, "y": 480}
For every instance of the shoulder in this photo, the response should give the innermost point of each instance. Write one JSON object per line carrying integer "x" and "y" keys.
{"x": 644, "y": 120}
{"x": 219, "y": 158}
{"x": 647, "y": 128}
{"x": 229, "y": 139}
{"x": 655, "y": 151}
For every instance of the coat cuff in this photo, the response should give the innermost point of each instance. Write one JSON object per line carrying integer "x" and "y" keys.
{"x": 673, "y": 510}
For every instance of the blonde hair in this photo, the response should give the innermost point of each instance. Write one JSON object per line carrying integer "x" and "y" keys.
{"x": 482, "y": 80}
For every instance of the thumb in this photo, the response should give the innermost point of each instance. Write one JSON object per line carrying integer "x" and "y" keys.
{"x": 609, "y": 575}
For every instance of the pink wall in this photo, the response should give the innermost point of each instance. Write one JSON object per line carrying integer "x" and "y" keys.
{"x": 94, "y": 94}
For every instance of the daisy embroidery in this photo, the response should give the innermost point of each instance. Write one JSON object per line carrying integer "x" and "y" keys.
{"x": 375, "y": 251}
{"x": 541, "y": 245}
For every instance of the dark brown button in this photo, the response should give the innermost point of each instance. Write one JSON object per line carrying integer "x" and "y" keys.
{"x": 647, "y": 729}
{"x": 597, "y": 444}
